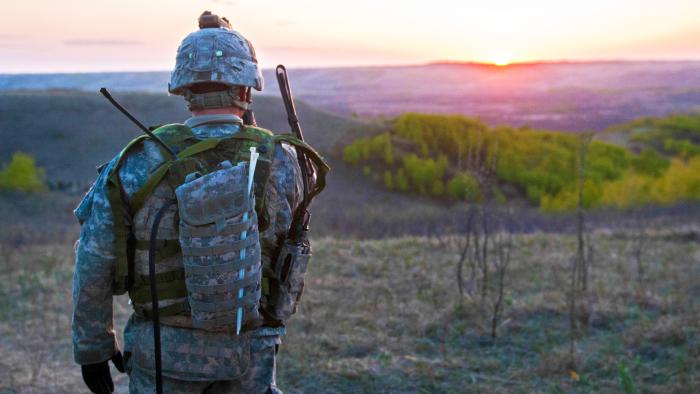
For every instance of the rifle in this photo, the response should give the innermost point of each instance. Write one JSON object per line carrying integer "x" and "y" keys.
{"x": 301, "y": 218}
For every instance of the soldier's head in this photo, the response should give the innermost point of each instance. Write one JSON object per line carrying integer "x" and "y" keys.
{"x": 215, "y": 68}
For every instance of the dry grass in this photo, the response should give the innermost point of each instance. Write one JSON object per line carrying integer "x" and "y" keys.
{"x": 383, "y": 316}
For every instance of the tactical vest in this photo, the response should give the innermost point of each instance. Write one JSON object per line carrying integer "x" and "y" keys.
{"x": 135, "y": 215}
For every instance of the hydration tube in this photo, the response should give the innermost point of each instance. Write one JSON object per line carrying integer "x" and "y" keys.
{"x": 152, "y": 249}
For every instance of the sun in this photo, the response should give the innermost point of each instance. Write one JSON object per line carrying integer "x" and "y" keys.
{"x": 501, "y": 60}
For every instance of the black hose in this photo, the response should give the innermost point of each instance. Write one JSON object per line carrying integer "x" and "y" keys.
{"x": 152, "y": 249}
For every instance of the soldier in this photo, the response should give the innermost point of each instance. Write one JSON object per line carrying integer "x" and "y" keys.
{"x": 187, "y": 224}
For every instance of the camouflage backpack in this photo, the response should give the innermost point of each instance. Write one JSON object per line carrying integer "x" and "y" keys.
{"x": 207, "y": 257}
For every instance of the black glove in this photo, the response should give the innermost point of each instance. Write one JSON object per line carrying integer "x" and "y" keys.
{"x": 97, "y": 376}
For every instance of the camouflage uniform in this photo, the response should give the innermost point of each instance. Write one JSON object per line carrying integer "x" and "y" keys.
{"x": 193, "y": 360}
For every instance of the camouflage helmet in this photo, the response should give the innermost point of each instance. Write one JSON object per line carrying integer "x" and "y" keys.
{"x": 215, "y": 53}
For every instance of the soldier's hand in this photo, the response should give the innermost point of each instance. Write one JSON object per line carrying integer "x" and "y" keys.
{"x": 97, "y": 376}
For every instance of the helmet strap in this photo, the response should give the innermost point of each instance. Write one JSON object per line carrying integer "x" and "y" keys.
{"x": 234, "y": 96}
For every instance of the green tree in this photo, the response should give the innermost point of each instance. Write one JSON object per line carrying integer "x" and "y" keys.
{"x": 438, "y": 188}
{"x": 388, "y": 180}
{"x": 401, "y": 181}
{"x": 649, "y": 162}
{"x": 353, "y": 153}
{"x": 463, "y": 186}
{"x": 22, "y": 174}
{"x": 388, "y": 151}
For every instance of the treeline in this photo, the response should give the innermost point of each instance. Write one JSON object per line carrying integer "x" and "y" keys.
{"x": 675, "y": 135}
{"x": 460, "y": 158}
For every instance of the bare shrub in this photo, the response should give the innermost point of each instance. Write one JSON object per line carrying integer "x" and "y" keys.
{"x": 503, "y": 246}
{"x": 579, "y": 308}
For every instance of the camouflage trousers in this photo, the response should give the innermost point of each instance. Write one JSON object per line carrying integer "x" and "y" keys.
{"x": 258, "y": 378}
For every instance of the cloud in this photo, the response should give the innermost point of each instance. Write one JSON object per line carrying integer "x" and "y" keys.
{"x": 101, "y": 42}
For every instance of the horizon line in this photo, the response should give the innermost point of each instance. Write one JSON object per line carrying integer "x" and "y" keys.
{"x": 445, "y": 62}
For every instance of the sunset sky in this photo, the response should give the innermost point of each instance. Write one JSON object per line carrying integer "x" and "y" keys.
{"x": 130, "y": 35}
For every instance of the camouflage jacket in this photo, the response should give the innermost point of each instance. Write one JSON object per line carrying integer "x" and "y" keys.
{"x": 93, "y": 328}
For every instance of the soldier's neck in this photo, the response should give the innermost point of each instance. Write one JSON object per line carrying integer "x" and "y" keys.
{"x": 219, "y": 111}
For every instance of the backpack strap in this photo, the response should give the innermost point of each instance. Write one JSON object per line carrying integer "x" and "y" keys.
{"x": 182, "y": 140}
{"x": 175, "y": 136}
{"x": 139, "y": 198}
{"x": 321, "y": 165}
{"x": 121, "y": 217}
{"x": 322, "y": 170}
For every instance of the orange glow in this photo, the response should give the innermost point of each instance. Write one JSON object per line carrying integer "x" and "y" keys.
{"x": 318, "y": 34}
{"x": 501, "y": 61}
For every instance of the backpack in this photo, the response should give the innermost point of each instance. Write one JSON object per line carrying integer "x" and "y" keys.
{"x": 221, "y": 283}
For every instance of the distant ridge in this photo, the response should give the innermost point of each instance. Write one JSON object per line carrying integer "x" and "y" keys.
{"x": 559, "y": 62}
{"x": 571, "y": 96}
{"x": 145, "y": 81}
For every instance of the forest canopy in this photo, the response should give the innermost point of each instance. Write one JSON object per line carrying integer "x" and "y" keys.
{"x": 459, "y": 158}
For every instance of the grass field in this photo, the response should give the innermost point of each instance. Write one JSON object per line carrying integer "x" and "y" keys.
{"x": 379, "y": 315}
{"x": 384, "y": 315}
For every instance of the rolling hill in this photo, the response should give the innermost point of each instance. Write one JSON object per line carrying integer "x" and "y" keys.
{"x": 71, "y": 132}
{"x": 564, "y": 96}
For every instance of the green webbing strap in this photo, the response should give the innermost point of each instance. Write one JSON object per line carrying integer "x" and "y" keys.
{"x": 120, "y": 212}
{"x": 177, "y": 135}
{"x": 165, "y": 249}
{"x": 265, "y": 284}
{"x": 157, "y": 176}
{"x": 314, "y": 156}
{"x": 139, "y": 198}
{"x": 120, "y": 208}
{"x": 166, "y": 290}
{"x": 169, "y": 310}
{"x": 199, "y": 147}
{"x": 143, "y": 244}
{"x": 163, "y": 277}
{"x": 258, "y": 131}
